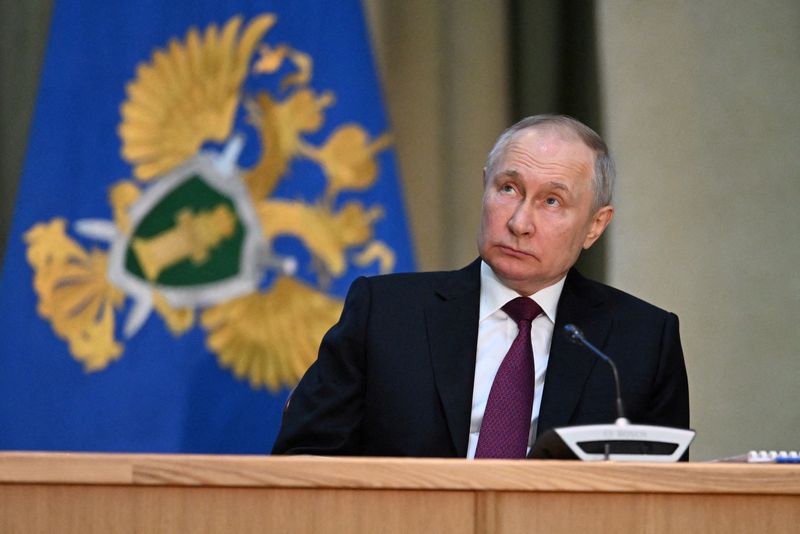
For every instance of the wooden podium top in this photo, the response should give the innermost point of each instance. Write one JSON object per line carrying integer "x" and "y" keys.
{"x": 396, "y": 473}
{"x": 86, "y": 493}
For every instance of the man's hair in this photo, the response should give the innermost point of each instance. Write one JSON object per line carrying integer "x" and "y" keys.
{"x": 604, "y": 169}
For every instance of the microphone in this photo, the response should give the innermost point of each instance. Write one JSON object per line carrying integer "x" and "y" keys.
{"x": 618, "y": 441}
{"x": 576, "y": 336}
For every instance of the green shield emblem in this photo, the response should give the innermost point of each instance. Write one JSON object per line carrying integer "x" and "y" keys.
{"x": 192, "y": 236}
{"x": 195, "y": 238}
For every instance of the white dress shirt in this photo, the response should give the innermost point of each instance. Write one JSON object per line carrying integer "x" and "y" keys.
{"x": 496, "y": 332}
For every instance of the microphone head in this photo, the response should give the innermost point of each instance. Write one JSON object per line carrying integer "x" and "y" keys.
{"x": 573, "y": 333}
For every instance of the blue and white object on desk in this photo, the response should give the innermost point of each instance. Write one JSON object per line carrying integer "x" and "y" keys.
{"x": 773, "y": 457}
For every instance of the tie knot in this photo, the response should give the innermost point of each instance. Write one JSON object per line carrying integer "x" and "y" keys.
{"x": 522, "y": 309}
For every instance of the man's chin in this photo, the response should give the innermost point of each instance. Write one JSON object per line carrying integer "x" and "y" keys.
{"x": 513, "y": 266}
{"x": 511, "y": 275}
{"x": 520, "y": 276}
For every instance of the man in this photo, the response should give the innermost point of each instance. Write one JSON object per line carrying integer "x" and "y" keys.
{"x": 415, "y": 365}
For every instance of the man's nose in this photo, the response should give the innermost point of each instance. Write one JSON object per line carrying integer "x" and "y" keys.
{"x": 521, "y": 221}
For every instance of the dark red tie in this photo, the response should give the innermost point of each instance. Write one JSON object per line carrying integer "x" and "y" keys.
{"x": 507, "y": 419}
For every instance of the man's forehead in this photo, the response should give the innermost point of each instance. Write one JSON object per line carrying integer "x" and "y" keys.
{"x": 546, "y": 147}
{"x": 550, "y": 140}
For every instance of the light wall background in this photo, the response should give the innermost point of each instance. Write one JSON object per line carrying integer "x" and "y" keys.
{"x": 701, "y": 105}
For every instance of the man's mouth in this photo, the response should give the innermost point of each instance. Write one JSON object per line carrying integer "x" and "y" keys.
{"x": 511, "y": 251}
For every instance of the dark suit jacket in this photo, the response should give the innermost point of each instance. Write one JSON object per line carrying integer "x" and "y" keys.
{"x": 394, "y": 376}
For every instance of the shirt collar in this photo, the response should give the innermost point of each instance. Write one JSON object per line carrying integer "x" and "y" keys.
{"x": 494, "y": 294}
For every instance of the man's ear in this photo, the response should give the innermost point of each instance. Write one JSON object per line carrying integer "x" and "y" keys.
{"x": 484, "y": 177}
{"x": 600, "y": 221}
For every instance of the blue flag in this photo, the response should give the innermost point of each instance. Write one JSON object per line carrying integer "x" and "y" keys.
{"x": 203, "y": 181}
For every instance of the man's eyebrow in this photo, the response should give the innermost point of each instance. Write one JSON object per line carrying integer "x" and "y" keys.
{"x": 558, "y": 185}
{"x": 511, "y": 173}
{"x": 514, "y": 173}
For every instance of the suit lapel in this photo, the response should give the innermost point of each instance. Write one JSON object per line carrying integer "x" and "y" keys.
{"x": 569, "y": 365}
{"x": 452, "y": 322}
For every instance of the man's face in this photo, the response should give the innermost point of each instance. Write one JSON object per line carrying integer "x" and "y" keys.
{"x": 537, "y": 209}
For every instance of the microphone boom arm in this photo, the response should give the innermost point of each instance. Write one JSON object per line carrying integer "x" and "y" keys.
{"x": 576, "y": 336}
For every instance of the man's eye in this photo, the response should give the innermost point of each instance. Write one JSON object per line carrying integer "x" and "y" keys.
{"x": 551, "y": 201}
{"x": 507, "y": 188}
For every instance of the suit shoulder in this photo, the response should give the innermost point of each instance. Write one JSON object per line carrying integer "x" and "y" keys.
{"x": 616, "y": 298}
{"x": 447, "y": 282}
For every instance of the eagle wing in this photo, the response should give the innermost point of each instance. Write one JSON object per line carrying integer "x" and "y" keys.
{"x": 186, "y": 95}
{"x": 74, "y": 293}
{"x": 270, "y": 338}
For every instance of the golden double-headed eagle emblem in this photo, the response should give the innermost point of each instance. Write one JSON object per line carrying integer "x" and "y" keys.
{"x": 191, "y": 233}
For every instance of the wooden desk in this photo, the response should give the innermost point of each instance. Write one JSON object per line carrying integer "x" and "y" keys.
{"x": 131, "y": 493}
